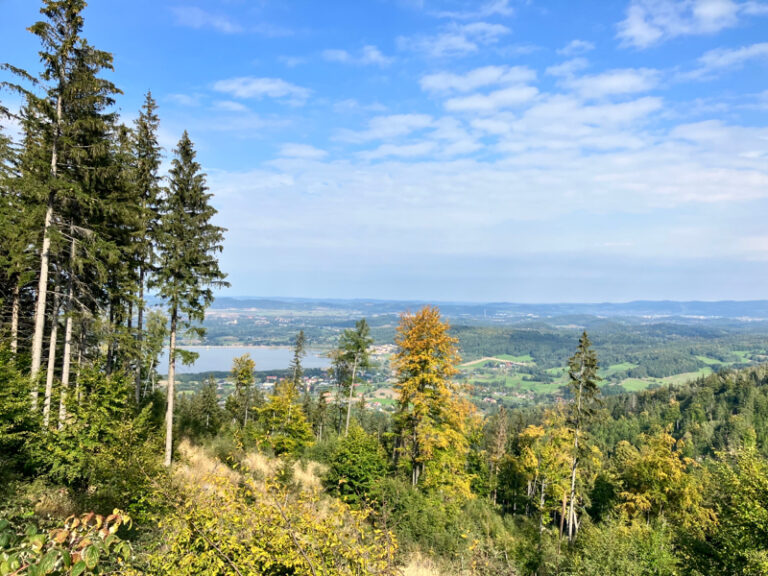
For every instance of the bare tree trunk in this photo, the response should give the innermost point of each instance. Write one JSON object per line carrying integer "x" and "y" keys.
{"x": 572, "y": 522}
{"x": 51, "y": 361}
{"x": 67, "y": 338}
{"x": 170, "y": 392}
{"x": 140, "y": 332}
{"x": 15, "y": 307}
{"x": 351, "y": 392}
{"x": 45, "y": 252}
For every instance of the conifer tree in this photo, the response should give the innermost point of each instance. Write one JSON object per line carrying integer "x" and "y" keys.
{"x": 148, "y": 156}
{"x": 188, "y": 243}
{"x": 74, "y": 97}
{"x": 299, "y": 351}
{"x": 583, "y": 385}
{"x": 353, "y": 352}
{"x": 242, "y": 374}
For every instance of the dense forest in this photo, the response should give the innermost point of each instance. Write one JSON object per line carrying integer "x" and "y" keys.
{"x": 106, "y": 469}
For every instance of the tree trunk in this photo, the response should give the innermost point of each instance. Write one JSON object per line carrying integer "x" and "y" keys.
{"x": 51, "y": 361}
{"x": 351, "y": 392}
{"x": 45, "y": 251}
{"x": 77, "y": 369}
{"x": 140, "y": 332}
{"x": 65, "y": 369}
{"x": 42, "y": 293}
{"x": 572, "y": 528}
{"x": 170, "y": 392}
{"x": 16, "y": 306}
{"x": 541, "y": 505}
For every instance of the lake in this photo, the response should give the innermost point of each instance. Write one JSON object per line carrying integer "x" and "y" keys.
{"x": 219, "y": 358}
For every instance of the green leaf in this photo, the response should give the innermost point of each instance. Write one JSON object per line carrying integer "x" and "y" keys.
{"x": 5, "y": 568}
{"x": 48, "y": 563}
{"x": 78, "y": 569}
{"x": 91, "y": 556}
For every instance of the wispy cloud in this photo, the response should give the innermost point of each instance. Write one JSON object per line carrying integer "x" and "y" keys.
{"x": 496, "y": 100}
{"x": 614, "y": 82}
{"x": 194, "y": 17}
{"x": 728, "y": 59}
{"x": 650, "y": 22}
{"x": 568, "y": 68}
{"x": 198, "y": 19}
{"x": 386, "y": 127}
{"x": 492, "y": 8}
{"x": 576, "y": 47}
{"x": 455, "y": 40}
{"x": 252, "y": 87}
{"x": 368, "y": 55}
{"x": 303, "y": 151}
{"x": 444, "y": 82}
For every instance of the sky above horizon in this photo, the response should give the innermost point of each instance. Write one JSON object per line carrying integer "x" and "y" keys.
{"x": 508, "y": 150}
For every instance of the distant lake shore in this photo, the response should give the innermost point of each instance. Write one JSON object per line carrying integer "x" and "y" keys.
{"x": 219, "y": 358}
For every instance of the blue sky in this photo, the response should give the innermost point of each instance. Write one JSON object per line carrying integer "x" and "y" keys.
{"x": 447, "y": 150}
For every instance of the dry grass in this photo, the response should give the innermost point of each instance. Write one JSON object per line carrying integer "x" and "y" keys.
{"x": 196, "y": 465}
{"x": 419, "y": 565}
{"x": 308, "y": 475}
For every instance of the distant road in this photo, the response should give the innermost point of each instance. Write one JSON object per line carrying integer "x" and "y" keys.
{"x": 487, "y": 358}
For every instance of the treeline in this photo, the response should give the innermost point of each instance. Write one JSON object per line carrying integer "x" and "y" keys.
{"x": 89, "y": 224}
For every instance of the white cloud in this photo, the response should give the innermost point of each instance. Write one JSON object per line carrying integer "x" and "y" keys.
{"x": 575, "y": 47}
{"x": 491, "y": 8}
{"x": 292, "y": 61}
{"x": 455, "y": 40}
{"x": 496, "y": 100}
{"x": 615, "y": 82}
{"x": 193, "y": 17}
{"x": 650, "y": 22}
{"x": 387, "y": 127}
{"x": 369, "y": 55}
{"x": 728, "y": 59}
{"x": 185, "y": 99}
{"x": 251, "y": 87}
{"x": 444, "y": 82}
{"x": 568, "y": 68}
{"x": 399, "y": 150}
{"x": 303, "y": 151}
{"x": 230, "y": 106}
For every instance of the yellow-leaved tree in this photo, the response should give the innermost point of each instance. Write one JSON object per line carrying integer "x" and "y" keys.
{"x": 432, "y": 419}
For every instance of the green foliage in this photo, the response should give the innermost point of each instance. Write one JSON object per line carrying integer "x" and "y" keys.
{"x": 16, "y": 422}
{"x": 105, "y": 450}
{"x": 357, "y": 463}
{"x": 281, "y": 425}
{"x": 736, "y": 543}
{"x": 629, "y": 549}
{"x": 85, "y": 545}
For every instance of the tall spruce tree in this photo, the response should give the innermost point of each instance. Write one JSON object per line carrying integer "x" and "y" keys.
{"x": 299, "y": 351}
{"x": 147, "y": 180}
{"x": 75, "y": 124}
{"x": 188, "y": 243}
{"x": 353, "y": 352}
{"x": 583, "y": 385}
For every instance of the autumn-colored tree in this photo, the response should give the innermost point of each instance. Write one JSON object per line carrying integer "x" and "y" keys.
{"x": 545, "y": 459}
{"x": 657, "y": 479}
{"x": 431, "y": 419}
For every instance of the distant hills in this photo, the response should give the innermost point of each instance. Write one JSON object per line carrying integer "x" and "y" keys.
{"x": 727, "y": 309}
